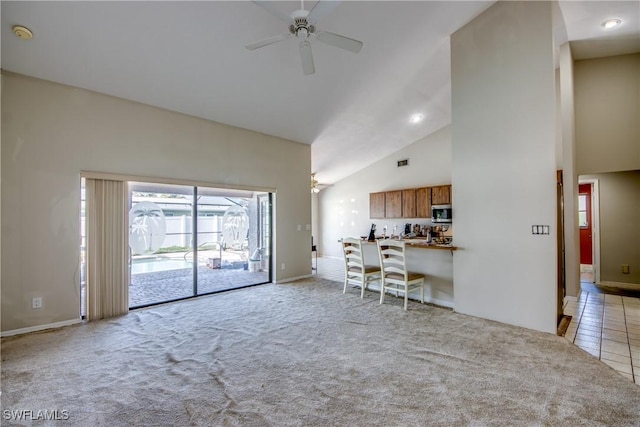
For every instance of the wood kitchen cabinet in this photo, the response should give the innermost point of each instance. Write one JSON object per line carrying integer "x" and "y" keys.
{"x": 376, "y": 205}
{"x": 409, "y": 203}
{"x": 441, "y": 195}
{"x": 423, "y": 202}
{"x": 393, "y": 204}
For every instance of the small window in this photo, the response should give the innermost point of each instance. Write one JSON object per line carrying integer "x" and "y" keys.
{"x": 582, "y": 211}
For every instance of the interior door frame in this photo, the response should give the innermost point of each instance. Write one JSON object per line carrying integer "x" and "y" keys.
{"x": 595, "y": 223}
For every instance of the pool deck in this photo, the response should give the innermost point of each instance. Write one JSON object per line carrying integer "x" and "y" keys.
{"x": 154, "y": 281}
{"x": 160, "y": 286}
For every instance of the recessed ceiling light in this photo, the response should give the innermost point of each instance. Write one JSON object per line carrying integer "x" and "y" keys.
{"x": 22, "y": 32}
{"x": 611, "y": 23}
{"x": 416, "y": 118}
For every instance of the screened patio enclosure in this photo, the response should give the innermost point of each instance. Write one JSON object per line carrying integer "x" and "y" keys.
{"x": 187, "y": 241}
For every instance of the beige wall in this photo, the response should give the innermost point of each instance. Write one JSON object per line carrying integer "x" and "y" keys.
{"x": 570, "y": 177}
{"x": 607, "y": 129}
{"x": 619, "y": 225}
{"x": 607, "y": 106}
{"x": 344, "y": 208}
{"x": 51, "y": 132}
{"x": 504, "y": 165}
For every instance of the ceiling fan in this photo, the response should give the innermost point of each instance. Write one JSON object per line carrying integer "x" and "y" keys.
{"x": 302, "y": 25}
{"x": 316, "y": 186}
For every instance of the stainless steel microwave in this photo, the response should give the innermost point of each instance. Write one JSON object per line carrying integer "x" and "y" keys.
{"x": 441, "y": 214}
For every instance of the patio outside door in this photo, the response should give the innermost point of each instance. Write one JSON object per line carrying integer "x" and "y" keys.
{"x": 586, "y": 224}
{"x": 160, "y": 235}
{"x": 187, "y": 241}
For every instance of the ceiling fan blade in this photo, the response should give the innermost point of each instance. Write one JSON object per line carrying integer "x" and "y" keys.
{"x": 267, "y": 42}
{"x": 337, "y": 40}
{"x": 321, "y": 10}
{"x": 270, "y": 7}
{"x": 307, "y": 58}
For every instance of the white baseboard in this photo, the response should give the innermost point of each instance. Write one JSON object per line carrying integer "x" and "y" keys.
{"x": 414, "y": 296}
{"x": 331, "y": 257}
{"x": 39, "y": 328}
{"x": 293, "y": 279}
{"x": 567, "y": 299}
{"x": 441, "y": 303}
{"x": 620, "y": 284}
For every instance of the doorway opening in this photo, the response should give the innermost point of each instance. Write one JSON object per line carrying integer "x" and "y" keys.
{"x": 187, "y": 241}
{"x": 589, "y": 230}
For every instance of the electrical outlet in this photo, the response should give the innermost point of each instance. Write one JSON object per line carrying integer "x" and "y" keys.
{"x": 625, "y": 268}
{"x": 282, "y": 266}
{"x": 36, "y": 302}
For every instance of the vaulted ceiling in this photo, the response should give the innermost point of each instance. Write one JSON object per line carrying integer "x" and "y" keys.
{"x": 190, "y": 57}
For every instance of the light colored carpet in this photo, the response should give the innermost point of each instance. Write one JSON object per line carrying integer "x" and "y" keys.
{"x": 303, "y": 354}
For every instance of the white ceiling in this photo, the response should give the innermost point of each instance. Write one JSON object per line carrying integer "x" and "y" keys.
{"x": 190, "y": 57}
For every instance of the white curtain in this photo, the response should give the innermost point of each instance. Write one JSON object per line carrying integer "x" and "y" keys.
{"x": 107, "y": 250}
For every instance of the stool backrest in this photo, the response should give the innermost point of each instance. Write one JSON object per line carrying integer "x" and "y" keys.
{"x": 393, "y": 262}
{"x": 353, "y": 256}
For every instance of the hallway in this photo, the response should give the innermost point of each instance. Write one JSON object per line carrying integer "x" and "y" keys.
{"x": 608, "y": 327}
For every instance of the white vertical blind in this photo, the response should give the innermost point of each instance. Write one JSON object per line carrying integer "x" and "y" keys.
{"x": 107, "y": 274}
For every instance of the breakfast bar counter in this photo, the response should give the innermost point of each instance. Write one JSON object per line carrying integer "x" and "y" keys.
{"x": 421, "y": 244}
{"x": 433, "y": 260}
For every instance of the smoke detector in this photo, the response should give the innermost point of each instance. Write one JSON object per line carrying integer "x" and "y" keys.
{"x": 22, "y": 32}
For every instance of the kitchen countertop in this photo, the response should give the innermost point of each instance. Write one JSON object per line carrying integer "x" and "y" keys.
{"x": 422, "y": 244}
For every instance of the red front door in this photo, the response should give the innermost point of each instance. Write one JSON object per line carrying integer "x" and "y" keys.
{"x": 584, "y": 220}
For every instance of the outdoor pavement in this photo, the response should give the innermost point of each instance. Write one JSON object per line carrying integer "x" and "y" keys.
{"x": 161, "y": 286}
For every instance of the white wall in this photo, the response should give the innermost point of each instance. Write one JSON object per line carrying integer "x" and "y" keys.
{"x": 344, "y": 208}
{"x": 504, "y": 166}
{"x": 315, "y": 217}
{"x": 51, "y": 132}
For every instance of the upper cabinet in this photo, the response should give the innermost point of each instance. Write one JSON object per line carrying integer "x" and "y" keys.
{"x": 393, "y": 204}
{"x": 423, "y": 202}
{"x": 441, "y": 195}
{"x": 376, "y": 205}
{"x": 409, "y": 203}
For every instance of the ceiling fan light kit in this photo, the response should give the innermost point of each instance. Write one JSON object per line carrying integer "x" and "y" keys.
{"x": 302, "y": 25}
{"x": 314, "y": 184}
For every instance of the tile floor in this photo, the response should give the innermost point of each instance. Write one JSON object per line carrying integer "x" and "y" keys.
{"x": 330, "y": 269}
{"x": 607, "y": 327}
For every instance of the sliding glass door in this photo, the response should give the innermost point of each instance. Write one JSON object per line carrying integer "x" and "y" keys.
{"x": 173, "y": 256}
{"x": 160, "y": 238}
